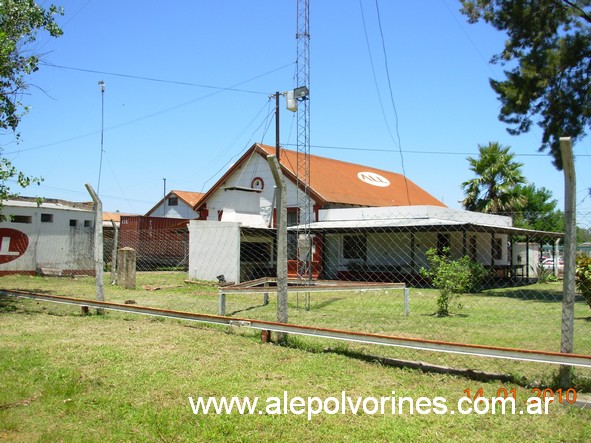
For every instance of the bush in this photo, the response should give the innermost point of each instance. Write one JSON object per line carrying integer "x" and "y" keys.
{"x": 546, "y": 275}
{"x": 452, "y": 277}
{"x": 583, "y": 277}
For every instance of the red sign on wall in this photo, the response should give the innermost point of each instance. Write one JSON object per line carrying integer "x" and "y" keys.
{"x": 13, "y": 244}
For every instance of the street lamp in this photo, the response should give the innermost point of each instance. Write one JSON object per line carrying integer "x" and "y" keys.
{"x": 291, "y": 101}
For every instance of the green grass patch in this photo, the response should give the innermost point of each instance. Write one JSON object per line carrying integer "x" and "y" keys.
{"x": 117, "y": 377}
{"x": 526, "y": 317}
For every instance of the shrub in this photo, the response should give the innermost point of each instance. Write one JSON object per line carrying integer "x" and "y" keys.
{"x": 546, "y": 275}
{"x": 583, "y": 277}
{"x": 452, "y": 277}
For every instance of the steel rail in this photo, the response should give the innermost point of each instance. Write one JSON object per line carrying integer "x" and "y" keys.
{"x": 379, "y": 339}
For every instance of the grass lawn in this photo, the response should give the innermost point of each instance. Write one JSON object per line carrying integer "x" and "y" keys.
{"x": 525, "y": 317}
{"x": 119, "y": 377}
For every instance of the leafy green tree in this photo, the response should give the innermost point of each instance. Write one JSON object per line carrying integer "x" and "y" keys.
{"x": 494, "y": 189}
{"x": 539, "y": 210}
{"x": 583, "y": 235}
{"x": 20, "y": 22}
{"x": 452, "y": 277}
{"x": 548, "y": 49}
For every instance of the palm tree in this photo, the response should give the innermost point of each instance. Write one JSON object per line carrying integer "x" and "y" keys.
{"x": 494, "y": 190}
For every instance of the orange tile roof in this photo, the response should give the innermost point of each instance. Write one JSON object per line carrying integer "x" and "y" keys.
{"x": 339, "y": 182}
{"x": 113, "y": 216}
{"x": 190, "y": 199}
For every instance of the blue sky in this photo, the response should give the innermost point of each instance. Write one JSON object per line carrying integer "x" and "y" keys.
{"x": 217, "y": 62}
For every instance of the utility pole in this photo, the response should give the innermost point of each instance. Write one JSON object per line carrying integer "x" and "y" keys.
{"x": 277, "y": 147}
{"x": 102, "y": 85}
{"x": 164, "y": 198}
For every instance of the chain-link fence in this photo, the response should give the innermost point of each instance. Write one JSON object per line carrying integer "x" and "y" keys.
{"x": 471, "y": 278}
{"x": 160, "y": 244}
{"x": 446, "y": 276}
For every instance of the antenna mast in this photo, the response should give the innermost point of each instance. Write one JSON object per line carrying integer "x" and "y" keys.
{"x": 303, "y": 141}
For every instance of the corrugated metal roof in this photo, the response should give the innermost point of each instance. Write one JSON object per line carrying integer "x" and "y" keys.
{"x": 29, "y": 202}
{"x": 446, "y": 219}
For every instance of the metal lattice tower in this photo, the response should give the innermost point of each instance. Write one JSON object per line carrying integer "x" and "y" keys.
{"x": 303, "y": 141}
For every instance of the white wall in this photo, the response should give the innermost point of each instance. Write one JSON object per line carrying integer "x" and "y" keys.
{"x": 521, "y": 256}
{"x": 394, "y": 249}
{"x": 214, "y": 249}
{"x": 182, "y": 210}
{"x": 255, "y": 167}
{"x": 51, "y": 244}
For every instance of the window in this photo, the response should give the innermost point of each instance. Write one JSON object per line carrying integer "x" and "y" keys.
{"x": 497, "y": 248}
{"x": 442, "y": 243}
{"x": 354, "y": 247}
{"x": 73, "y": 223}
{"x": 21, "y": 219}
{"x": 173, "y": 201}
{"x": 293, "y": 216}
{"x": 88, "y": 223}
{"x": 46, "y": 218}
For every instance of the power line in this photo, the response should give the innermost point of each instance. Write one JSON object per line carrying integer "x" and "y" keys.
{"x": 174, "y": 82}
{"x": 406, "y": 151}
{"x": 154, "y": 114}
{"x": 246, "y": 145}
{"x": 392, "y": 100}
{"x": 476, "y": 48}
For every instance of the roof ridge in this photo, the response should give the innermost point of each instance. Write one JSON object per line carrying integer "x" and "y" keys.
{"x": 334, "y": 160}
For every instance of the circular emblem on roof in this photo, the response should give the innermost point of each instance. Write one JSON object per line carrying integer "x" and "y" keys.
{"x": 371, "y": 178}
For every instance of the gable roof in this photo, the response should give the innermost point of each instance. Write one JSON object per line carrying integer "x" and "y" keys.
{"x": 188, "y": 197}
{"x": 338, "y": 182}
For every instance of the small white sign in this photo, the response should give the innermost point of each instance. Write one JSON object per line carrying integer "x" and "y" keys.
{"x": 371, "y": 178}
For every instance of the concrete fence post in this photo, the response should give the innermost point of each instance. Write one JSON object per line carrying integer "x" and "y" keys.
{"x": 406, "y": 302}
{"x": 98, "y": 246}
{"x": 221, "y": 303}
{"x": 281, "y": 244}
{"x": 570, "y": 251}
{"x": 114, "y": 253}
{"x": 126, "y": 264}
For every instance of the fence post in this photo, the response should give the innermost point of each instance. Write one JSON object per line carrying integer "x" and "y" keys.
{"x": 406, "y": 302}
{"x": 221, "y": 303}
{"x": 281, "y": 245}
{"x": 570, "y": 251}
{"x": 127, "y": 268}
{"x": 266, "y": 295}
{"x": 98, "y": 246}
{"x": 114, "y": 253}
